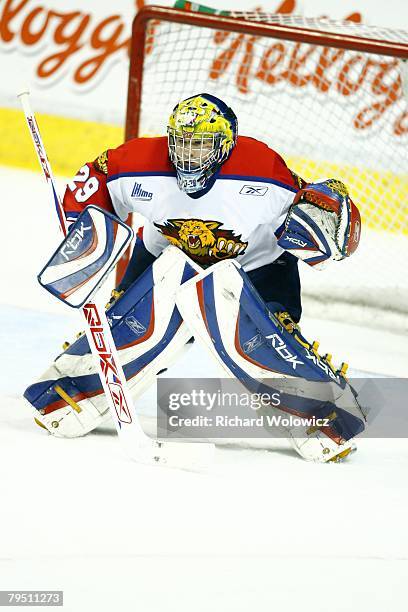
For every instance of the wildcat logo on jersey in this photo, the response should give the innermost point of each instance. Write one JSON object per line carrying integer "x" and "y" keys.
{"x": 203, "y": 241}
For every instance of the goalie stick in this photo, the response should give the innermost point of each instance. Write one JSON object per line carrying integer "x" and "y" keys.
{"x": 136, "y": 443}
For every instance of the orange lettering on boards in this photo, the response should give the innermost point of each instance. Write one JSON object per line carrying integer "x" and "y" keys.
{"x": 28, "y": 23}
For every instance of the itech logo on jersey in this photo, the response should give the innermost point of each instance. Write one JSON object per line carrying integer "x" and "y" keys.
{"x": 253, "y": 190}
{"x": 138, "y": 193}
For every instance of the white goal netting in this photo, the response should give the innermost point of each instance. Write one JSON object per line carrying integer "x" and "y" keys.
{"x": 330, "y": 112}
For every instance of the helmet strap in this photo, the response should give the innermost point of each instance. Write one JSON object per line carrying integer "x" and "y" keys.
{"x": 192, "y": 183}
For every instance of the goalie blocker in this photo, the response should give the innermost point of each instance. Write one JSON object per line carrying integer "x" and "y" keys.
{"x": 95, "y": 242}
{"x": 224, "y": 312}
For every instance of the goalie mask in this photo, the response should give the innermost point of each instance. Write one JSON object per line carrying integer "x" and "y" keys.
{"x": 202, "y": 133}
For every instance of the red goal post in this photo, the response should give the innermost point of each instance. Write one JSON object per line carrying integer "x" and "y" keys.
{"x": 326, "y": 95}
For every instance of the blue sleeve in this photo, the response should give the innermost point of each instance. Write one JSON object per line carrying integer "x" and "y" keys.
{"x": 140, "y": 260}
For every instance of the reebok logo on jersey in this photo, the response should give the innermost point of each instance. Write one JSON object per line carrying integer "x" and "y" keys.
{"x": 140, "y": 194}
{"x": 253, "y": 190}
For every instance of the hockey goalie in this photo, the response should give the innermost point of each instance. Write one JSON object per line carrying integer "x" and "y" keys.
{"x": 226, "y": 223}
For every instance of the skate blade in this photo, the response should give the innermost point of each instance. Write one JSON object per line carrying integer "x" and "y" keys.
{"x": 341, "y": 456}
{"x": 192, "y": 456}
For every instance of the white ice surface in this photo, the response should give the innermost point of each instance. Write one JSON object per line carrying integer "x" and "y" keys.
{"x": 260, "y": 530}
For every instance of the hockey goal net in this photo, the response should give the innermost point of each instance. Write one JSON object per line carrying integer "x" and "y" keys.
{"x": 328, "y": 96}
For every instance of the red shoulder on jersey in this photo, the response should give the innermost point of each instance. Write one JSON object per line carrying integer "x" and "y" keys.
{"x": 141, "y": 155}
{"x": 253, "y": 158}
{"x": 88, "y": 187}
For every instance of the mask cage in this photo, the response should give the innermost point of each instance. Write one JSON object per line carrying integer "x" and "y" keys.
{"x": 194, "y": 152}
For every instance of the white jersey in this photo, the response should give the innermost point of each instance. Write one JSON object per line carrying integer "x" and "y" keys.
{"x": 236, "y": 218}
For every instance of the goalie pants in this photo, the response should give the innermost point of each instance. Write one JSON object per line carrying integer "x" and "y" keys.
{"x": 276, "y": 282}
